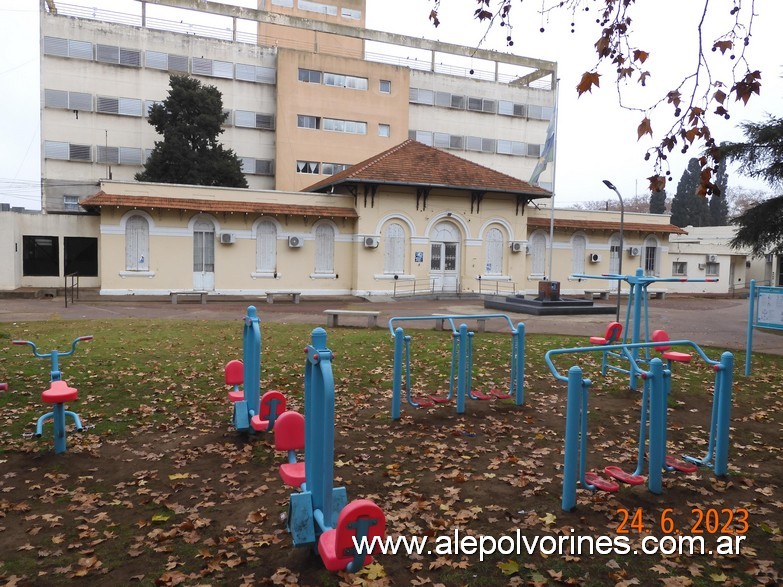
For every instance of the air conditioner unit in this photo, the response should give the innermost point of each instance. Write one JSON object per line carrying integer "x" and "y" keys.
{"x": 295, "y": 242}
{"x": 712, "y": 258}
{"x": 228, "y": 238}
{"x": 595, "y": 258}
{"x": 634, "y": 251}
{"x": 517, "y": 247}
{"x": 371, "y": 242}
{"x": 701, "y": 266}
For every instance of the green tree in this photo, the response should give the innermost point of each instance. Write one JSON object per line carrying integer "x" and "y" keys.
{"x": 689, "y": 208}
{"x": 719, "y": 205}
{"x": 190, "y": 120}
{"x": 760, "y": 156}
{"x": 658, "y": 202}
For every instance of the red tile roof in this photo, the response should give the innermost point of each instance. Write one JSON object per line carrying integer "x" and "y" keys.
{"x": 414, "y": 164}
{"x": 195, "y": 204}
{"x": 605, "y": 225}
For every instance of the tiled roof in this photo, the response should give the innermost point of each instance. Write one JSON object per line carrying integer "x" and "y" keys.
{"x": 414, "y": 164}
{"x": 104, "y": 199}
{"x": 605, "y": 225}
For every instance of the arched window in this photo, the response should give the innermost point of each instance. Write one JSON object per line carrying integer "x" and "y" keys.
{"x": 651, "y": 256}
{"x": 324, "y": 249}
{"x": 494, "y": 240}
{"x": 266, "y": 247}
{"x": 394, "y": 249}
{"x": 578, "y": 252}
{"x": 538, "y": 253}
{"x": 614, "y": 254}
{"x": 137, "y": 244}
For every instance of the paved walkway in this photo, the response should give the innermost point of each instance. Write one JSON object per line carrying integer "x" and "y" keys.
{"x": 720, "y": 323}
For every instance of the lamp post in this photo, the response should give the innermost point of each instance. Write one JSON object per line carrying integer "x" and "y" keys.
{"x": 610, "y": 185}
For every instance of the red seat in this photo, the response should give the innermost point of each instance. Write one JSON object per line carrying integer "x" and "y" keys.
{"x": 290, "y": 437}
{"x": 664, "y": 349}
{"x": 271, "y": 406}
{"x": 58, "y": 393}
{"x": 235, "y": 373}
{"x": 360, "y": 518}
{"x": 611, "y": 336}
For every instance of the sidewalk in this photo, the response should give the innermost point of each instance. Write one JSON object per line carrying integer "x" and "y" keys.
{"x": 720, "y": 323}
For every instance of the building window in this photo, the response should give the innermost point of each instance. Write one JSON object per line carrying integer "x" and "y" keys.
{"x": 40, "y": 256}
{"x": 394, "y": 249}
{"x": 347, "y": 126}
{"x": 517, "y": 148}
{"x": 166, "y": 61}
{"x": 384, "y": 130}
{"x": 345, "y": 81}
{"x": 385, "y": 86}
{"x": 712, "y": 269}
{"x": 332, "y": 168}
{"x": 421, "y": 96}
{"x": 679, "y": 268}
{"x": 137, "y": 244}
{"x": 494, "y": 240}
{"x": 324, "y": 249}
{"x": 309, "y": 76}
{"x": 68, "y": 100}
{"x": 305, "y": 121}
{"x": 614, "y": 254}
{"x": 68, "y": 48}
{"x": 538, "y": 253}
{"x": 212, "y": 67}
{"x": 651, "y": 256}
{"x": 266, "y": 247}
{"x": 71, "y": 204}
{"x": 351, "y": 13}
{"x": 482, "y": 105}
{"x": 67, "y": 151}
{"x": 318, "y": 7}
{"x": 578, "y": 252}
{"x": 80, "y": 256}
{"x": 283, "y": 3}
{"x": 308, "y": 167}
{"x": 255, "y": 73}
{"x": 245, "y": 119}
{"x": 118, "y": 55}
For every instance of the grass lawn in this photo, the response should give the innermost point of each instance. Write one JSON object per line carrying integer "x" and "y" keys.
{"x": 160, "y": 490}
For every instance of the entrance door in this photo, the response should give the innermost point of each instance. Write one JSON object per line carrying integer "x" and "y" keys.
{"x": 204, "y": 255}
{"x": 444, "y": 257}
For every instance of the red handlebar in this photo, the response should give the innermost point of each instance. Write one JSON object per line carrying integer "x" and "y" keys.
{"x": 85, "y": 338}
{"x": 19, "y": 342}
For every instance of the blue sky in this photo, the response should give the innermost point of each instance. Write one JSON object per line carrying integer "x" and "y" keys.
{"x": 596, "y": 138}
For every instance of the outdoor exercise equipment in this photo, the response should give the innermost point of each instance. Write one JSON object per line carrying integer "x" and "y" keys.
{"x": 765, "y": 310}
{"x": 320, "y": 511}
{"x": 57, "y": 395}
{"x": 247, "y": 402}
{"x": 290, "y": 438}
{"x": 637, "y": 301}
{"x": 461, "y": 373}
{"x": 653, "y": 417}
{"x": 3, "y": 387}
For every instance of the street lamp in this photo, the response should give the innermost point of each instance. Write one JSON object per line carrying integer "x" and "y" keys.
{"x": 610, "y": 185}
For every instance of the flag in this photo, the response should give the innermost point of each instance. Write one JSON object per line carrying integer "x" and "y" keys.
{"x": 548, "y": 152}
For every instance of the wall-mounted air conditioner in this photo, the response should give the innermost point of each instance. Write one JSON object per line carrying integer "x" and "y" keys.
{"x": 295, "y": 241}
{"x": 227, "y": 238}
{"x": 517, "y": 246}
{"x": 634, "y": 251}
{"x": 712, "y": 258}
{"x": 371, "y": 242}
{"x": 595, "y": 258}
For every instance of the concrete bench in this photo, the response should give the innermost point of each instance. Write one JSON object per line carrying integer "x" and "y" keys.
{"x": 271, "y": 295}
{"x": 175, "y": 295}
{"x": 332, "y": 316}
{"x": 440, "y": 323}
{"x": 658, "y": 294}
{"x": 602, "y": 294}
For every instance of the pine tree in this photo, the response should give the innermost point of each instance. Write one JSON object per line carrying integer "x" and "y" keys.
{"x": 719, "y": 206}
{"x": 688, "y": 208}
{"x": 190, "y": 120}
{"x": 658, "y": 202}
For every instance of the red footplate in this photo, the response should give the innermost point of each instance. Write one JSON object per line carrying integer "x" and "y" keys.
{"x": 600, "y": 483}
{"x": 680, "y": 465}
{"x": 439, "y": 399}
{"x": 479, "y": 395}
{"x": 423, "y": 403}
{"x": 622, "y": 476}
{"x": 499, "y": 394}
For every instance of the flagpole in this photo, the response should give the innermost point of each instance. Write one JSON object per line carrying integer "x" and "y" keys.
{"x": 554, "y": 175}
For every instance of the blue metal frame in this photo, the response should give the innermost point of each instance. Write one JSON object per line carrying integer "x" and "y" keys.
{"x": 753, "y": 317}
{"x": 58, "y": 414}
{"x": 638, "y": 295}
{"x": 658, "y": 385}
{"x": 460, "y": 377}
{"x": 245, "y": 409}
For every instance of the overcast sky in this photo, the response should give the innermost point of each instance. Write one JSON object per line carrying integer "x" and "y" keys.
{"x": 596, "y": 138}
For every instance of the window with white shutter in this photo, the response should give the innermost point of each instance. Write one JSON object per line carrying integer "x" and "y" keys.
{"x": 494, "y": 240}
{"x": 394, "y": 249}
{"x": 266, "y": 247}
{"x": 137, "y": 236}
{"x": 538, "y": 254}
{"x": 324, "y": 249}
{"x": 578, "y": 252}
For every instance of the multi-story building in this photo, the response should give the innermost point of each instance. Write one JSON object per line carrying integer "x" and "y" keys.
{"x": 308, "y": 91}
